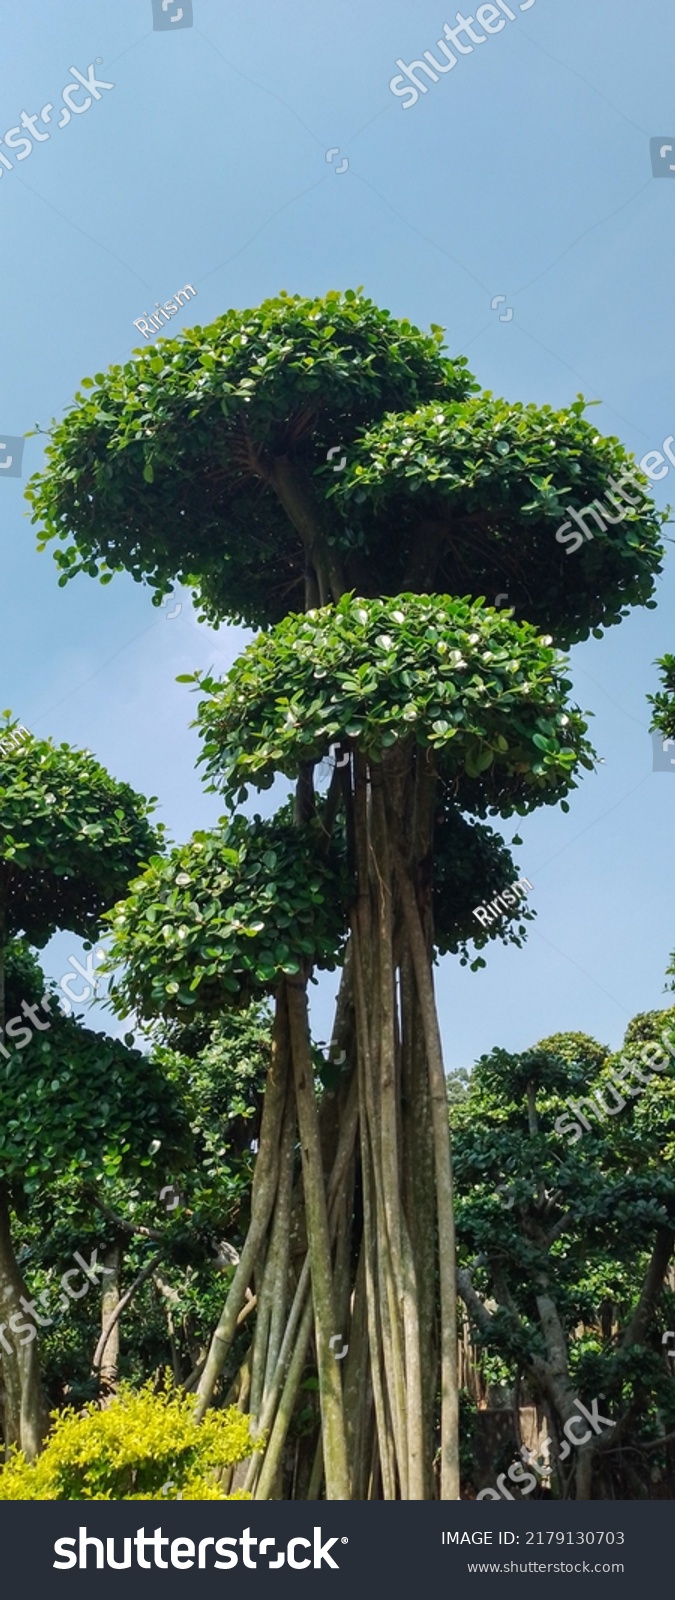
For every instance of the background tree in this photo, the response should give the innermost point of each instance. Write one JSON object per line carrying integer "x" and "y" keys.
{"x": 77, "y": 1109}
{"x": 70, "y": 839}
{"x": 183, "y": 1211}
{"x": 566, "y": 1239}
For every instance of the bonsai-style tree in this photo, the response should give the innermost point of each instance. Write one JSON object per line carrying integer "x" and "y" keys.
{"x": 566, "y": 1231}
{"x": 70, "y": 840}
{"x": 211, "y": 459}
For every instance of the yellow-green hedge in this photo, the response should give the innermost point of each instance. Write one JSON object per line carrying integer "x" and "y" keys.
{"x": 143, "y": 1446}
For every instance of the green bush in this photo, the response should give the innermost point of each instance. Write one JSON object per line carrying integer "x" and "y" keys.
{"x": 143, "y": 1446}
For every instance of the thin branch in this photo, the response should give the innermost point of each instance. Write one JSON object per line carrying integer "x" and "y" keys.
{"x": 653, "y": 1444}
{"x": 561, "y": 1226}
{"x": 127, "y": 1227}
{"x": 651, "y": 1288}
{"x": 121, "y": 1304}
{"x": 197, "y": 1371}
{"x": 483, "y": 1318}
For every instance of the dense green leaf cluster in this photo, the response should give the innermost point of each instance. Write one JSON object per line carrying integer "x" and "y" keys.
{"x": 221, "y": 1085}
{"x": 160, "y": 469}
{"x": 487, "y": 695}
{"x": 77, "y": 1101}
{"x": 663, "y": 703}
{"x": 488, "y": 483}
{"x": 24, "y": 978}
{"x": 70, "y": 839}
{"x": 663, "y": 722}
{"x": 226, "y": 916}
{"x": 471, "y": 866}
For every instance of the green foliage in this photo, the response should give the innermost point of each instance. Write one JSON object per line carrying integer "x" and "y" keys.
{"x": 663, "y": 718}
{"x": 579, "y": 1217}
{"x": 484, "y": 693}
{"x": 221, "y": 1088}
{"x": 471, "y": 865}
{"x": 663, "y": 722}
{"x": 582, "y": 1053}
{"x": 649, "y": 1025}
{"x": 140, "y": 1445}
{"x": 24, "y": 978}
{"x": 70, "y": 839}
{"x": 77, "y": 1103}
{"x": 225, "y": 916}
{"x": 457, "y": 1085}
{"x": 219, "y": 1091}
{"x": 162, "y": 468}
{"x": 508, "y": 1077}
{"x": 644, "y": 1130}
{"x": 494, "y": 481}
{"x": 167, "y": 467}
{"x": 207, "y": 1089}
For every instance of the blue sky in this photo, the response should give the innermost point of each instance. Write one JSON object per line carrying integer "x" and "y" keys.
{"x": 525, "y": 172}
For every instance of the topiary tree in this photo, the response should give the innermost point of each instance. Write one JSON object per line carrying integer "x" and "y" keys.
{"x": 211, "y": 459}
{"x": 70, "y": 839}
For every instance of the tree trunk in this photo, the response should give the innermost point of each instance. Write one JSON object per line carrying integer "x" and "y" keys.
{"x": 330, "y": 1383}
{"x": 262, "y": 1203}
{"x": 382, "y": 1227}
{"x": 110, "y": 1298}
{"x": 26, "y": 1419}
{"x": 450, "y": 1485}
{"x": 583, "y": 1475}
{"x": 272, "y": 1294}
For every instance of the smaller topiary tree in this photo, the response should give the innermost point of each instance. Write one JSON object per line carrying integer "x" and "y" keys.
{"x": 225, "y": 919}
